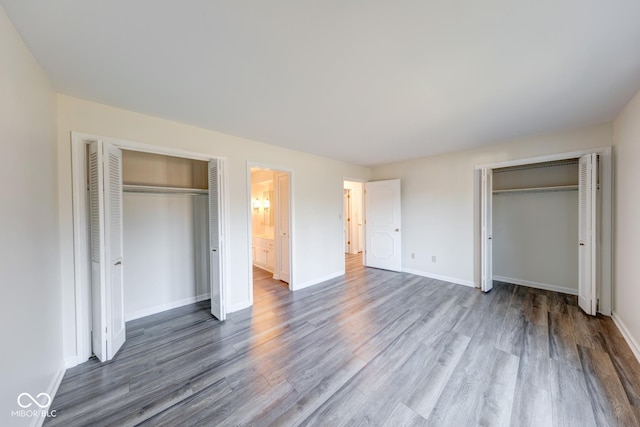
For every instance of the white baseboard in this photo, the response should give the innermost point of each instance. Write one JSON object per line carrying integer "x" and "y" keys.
{"x": 239, "y": 306}
{"x": 454, "y": 280}
{"x": 633, "y": 344}
{"x": 164, "y": 307}
{"x": 52, "y": 389}
{"x": 537, "y": 285}
{"x": 298, "y": 286}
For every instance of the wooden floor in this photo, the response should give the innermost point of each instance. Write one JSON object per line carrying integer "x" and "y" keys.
{"x": 369, "y": 348}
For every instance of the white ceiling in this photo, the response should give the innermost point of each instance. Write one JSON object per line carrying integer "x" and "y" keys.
{"x": 368, "y": 82}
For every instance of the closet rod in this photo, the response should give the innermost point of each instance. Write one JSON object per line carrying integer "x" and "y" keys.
{"x": 149, "y": 189}
{"x": 536, "y": 166}
{"x": 538, "y": 189}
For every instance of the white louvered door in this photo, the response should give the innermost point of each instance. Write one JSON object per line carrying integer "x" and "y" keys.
{"x": 486, "y": 218}
{"x": 98, "y": 266}
{"x": 116, "y": 330}
{"x": 217, "y": 296}
{"x": 587, "y": 234}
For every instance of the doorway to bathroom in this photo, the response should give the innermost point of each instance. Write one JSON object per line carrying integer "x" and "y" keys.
{"x": 270, "y": 231}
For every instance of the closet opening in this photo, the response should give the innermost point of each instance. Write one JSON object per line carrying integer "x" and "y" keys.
{"x": 353, "y": 220}
{"x": 270, "y": 231}
{"x": 165, "y": 234}
{"x": 149, "y": 236}
{"x": 546, "y": 223}
{"x": 535, "y": 225}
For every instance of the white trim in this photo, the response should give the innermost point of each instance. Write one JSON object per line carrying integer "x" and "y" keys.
{"x": 313, "y": 282}
{"x": 82, "y": 271}
{"x": 537, "y": 285}
{"x": 453, "y": 280}
{"x": 52, "y": 389}
{"x": 542, "y": 159}
{"x": 145, "y": 148}
{"x": 249, "y": 210}
{"x": 240, "y": 306}
{"x": 633, "y": 344}
{"x": 80, "y": 226}
{"x": 164, "y": 307}
{"x": 225, "y": 214}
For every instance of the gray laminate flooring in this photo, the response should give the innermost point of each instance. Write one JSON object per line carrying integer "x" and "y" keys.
{"x": 370, "y": 348}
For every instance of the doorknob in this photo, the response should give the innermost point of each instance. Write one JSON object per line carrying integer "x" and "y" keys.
{"x": 397, "y": 229}
{"x": 581, "y": 244}
{"x": 118, "y": 263}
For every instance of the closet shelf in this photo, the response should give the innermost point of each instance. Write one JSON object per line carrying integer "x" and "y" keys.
{"x": 128, "y": 188}
{"x": 538, "y": 189}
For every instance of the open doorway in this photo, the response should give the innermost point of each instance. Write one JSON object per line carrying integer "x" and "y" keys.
{"x": 270, "y": 213}
{"x": 353, "y": 220}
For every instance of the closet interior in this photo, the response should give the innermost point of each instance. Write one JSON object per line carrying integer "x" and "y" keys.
{"x": 536, "y": 224}
{"x": 165, "y": 232}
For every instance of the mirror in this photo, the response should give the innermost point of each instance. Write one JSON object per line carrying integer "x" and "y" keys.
{"x": 267, "y": 200}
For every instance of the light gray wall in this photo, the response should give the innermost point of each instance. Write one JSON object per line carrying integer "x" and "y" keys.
{"x": 626, "y": 291}
{"x": 535, "y": 239}
{"x": 165, "y": 251}
{"x": 30, "y": 308}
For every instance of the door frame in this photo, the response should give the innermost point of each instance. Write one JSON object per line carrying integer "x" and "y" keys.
{"x": 363, "y": 215}
{"x": 81, "y": 256}
{"x": 249, "y": 210}
{"x": 347, "y": 210}
{"x": 604, "y": 294}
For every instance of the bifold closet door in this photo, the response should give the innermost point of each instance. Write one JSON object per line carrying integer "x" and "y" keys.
{"x": 98, "y": 264}
{"x": 486, "y": 239}
{"x": 587, "y": 234}
{"x": 107, "y": 286}
{"x": 217, "y": 295}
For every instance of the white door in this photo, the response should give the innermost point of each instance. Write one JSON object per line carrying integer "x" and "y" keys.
{"x": 105, "y": 211}
{"x": 347, "y": 224}
{"x": 486, "y": 218}
{"x": 283, "y": 266}
{"x": 96, "y": 232}
{"x": 383, "y": 236}
{"x": 215, "y": 247}
{"x": 587, "y": 235}
{"x": 116, "y": 331}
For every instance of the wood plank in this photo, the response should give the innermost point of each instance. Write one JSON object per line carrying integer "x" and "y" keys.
{"x": 482, "y": 371}
{"x": 562, "y": 344}
{"x": 608, "y": 398}
{"x": 570, "y": 401}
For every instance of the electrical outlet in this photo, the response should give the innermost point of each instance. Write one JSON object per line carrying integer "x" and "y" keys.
{"x": 413, "y": 255}
{"x": 433, "y": 258}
